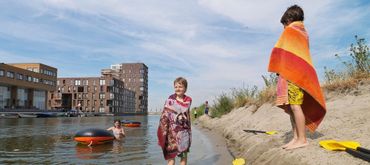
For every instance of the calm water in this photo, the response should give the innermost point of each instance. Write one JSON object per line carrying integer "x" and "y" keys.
{"x": 50, "y": 141}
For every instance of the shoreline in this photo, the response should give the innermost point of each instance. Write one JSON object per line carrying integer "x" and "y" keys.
{"x": 220, "y": 151}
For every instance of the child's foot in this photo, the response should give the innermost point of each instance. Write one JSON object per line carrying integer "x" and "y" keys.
{"x": 297, "y": 144}
{"x": 288, "y": 144}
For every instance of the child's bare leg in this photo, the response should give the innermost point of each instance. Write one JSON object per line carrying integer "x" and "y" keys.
{"x": 294, "y": 131}
{"x": 171, "y": 162}
{"x": 183, "y": 161}
{"x": 299, "y": 119}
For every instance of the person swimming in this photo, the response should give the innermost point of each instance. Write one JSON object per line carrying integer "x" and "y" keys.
{"x": 117, "y": 130}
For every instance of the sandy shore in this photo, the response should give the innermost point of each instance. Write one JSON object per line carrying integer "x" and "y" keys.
{"x": 348, "y": 118}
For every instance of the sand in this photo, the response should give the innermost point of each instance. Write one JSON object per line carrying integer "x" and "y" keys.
{"x": 347, "y": 118}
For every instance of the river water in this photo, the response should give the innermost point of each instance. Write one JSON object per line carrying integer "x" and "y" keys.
{"x": 50, "y": 141}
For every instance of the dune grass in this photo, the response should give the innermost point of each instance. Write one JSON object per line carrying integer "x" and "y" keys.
{"x": 240, "y": 97}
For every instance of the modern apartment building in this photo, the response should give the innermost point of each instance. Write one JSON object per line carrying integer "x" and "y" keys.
{"x": 135, "y": 77}
{"x": 104, "y": 94}
{"x": 25, "y": 85}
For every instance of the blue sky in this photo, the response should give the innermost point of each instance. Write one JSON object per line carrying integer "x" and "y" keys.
{"x": 216, "y": 44}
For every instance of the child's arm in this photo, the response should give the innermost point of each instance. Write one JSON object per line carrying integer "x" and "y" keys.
{"x": 163, "y": 130}
{"x": 109, "y": 129}
{"x": 122, "y": 132}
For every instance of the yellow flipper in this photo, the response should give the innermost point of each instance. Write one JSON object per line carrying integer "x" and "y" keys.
{"x": 350, "y": 144}
{"x": 239, "y": 161}
{"x": 333, "y": 145}
{"x": 271, "y": 132}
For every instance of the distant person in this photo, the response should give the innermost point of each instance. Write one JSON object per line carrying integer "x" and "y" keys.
{"x": 174, "y": 130}
{"x": 117, "y": 129}
{"x": 195, "y": 113}
{"x": 298, "y": 88}
{"x": 206, "y": 108}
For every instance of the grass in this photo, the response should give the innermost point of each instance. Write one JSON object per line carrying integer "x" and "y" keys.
{"x": 240, "y": 97}
{"x": 200, "y": 111}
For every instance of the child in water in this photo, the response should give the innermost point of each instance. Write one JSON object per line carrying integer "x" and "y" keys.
{"x": 117, "y": 129}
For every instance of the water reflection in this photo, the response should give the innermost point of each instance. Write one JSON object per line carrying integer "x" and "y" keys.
{"x": 50, "y": 140}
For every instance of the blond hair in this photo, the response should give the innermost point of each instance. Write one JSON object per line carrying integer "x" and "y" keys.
{"x": 181, "y": 81}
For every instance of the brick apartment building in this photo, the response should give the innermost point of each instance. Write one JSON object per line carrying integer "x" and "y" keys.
{"x": 135, "y": 77}
{"x": 104, "y": 94}
{"x": 25, "y": 85}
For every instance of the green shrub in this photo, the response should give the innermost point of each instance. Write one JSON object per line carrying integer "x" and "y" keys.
{"x": 223, "y": 105}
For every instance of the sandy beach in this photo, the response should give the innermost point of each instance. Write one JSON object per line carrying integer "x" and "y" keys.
{"x": 347, "y": 118}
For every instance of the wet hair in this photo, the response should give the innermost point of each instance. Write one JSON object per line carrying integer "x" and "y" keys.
{"x": 181, "y": 81}
{"x": 293, "y": 13}
{"x": 119, "y": 121}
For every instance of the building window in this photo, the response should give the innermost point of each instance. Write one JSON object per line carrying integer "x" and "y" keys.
{"x": 19, "y": 76}
{"x": 10, "y": 74}
{"x": 36, "y": 80}
{"x": 39, "y": 99}
{"x": 80, "y": 89}
{"x": 141, "y": 88}
{"x": 141, "y": 80}
{"x": 1, "y": 73}
{"x": 101, "y": 109}
{"x": 101, "y": 96}
{"x": 77, "y": 82}
{"x": 85, "y": 82}
{"x": 58, "y": 82}
{"x": 102, "y": 82}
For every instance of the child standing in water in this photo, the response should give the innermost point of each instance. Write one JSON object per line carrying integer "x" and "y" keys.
{"x": 174, "y": 130}
{"x": 298, "y": 88}
{"x": 117, "y": 129}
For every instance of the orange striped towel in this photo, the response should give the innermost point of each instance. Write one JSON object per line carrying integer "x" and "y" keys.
{"x": 291, "y": 59}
